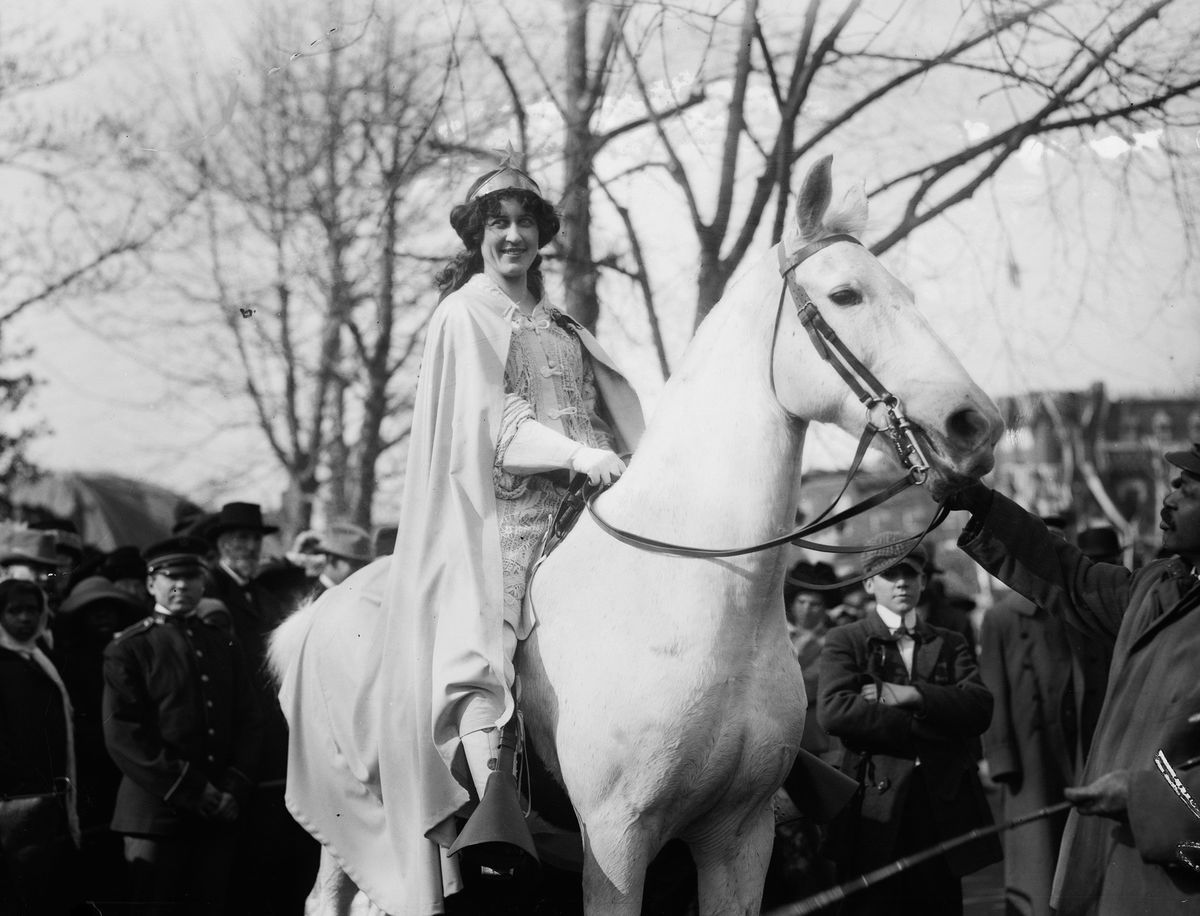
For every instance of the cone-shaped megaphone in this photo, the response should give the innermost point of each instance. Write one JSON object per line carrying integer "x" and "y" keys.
{"x": 496, "y": 829}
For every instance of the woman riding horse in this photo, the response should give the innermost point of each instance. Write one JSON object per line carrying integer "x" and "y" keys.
{"x": 513, "y": 396}
{"x": 702, "y": 707}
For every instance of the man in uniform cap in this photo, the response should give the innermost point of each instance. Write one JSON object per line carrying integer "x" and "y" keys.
{"x": 182, "y": 722}
{"x": 906, "y": 700}
{"x": 1115, "y": 857}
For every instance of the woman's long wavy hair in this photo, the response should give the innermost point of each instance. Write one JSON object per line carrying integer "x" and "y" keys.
{"x": 469, "y": 220}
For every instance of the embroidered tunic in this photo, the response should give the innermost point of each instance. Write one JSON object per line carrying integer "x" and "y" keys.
{"x": 546, "y": 379}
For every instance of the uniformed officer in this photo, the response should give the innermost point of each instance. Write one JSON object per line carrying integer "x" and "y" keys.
{"x": 182, "y": 722}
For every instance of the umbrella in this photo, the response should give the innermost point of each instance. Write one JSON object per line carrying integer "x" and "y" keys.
{"x": 110, "y": 511}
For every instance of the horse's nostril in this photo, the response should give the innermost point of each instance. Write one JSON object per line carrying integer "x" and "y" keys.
{"x": 968, "y": 428}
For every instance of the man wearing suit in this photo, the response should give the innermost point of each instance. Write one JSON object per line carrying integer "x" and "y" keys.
{"x": 1113, "y": 859}
{"x": 278, "y": 861}
{"x": 1048, "y": 682}
{"x": 182, "y": 723}
{"x": 907, "y": 702}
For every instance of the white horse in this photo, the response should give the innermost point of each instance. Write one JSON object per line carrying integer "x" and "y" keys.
{"x": 661, "y": 688}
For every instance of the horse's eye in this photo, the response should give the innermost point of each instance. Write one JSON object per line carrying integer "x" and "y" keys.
{"x": 845, "y": 296}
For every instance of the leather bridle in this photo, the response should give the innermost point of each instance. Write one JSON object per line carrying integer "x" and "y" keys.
{"x": 858, "y": 378}
{"x": 879, "y": 403}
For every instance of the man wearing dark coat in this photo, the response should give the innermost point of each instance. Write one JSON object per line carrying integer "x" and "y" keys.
{"x": 1114, "y": 858}
{"x": 278, "y": 860}
{"x": 907, "y": 702}
{"x": 182, "y": 723}
{"x": 1048, "y": 683}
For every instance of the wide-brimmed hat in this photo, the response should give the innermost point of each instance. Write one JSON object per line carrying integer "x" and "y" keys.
{"x": 885, "y": 551}
{"x": 804, "y": 574}
{"x": 238, "y": 517}
{"x": 176, "y": 555}
{"x": 96, "y": 588}
{"x": 31, "y": 547}
{"x": 1101, "y": 541}
{"x": 1186, "y": 461}
{"x": 348, "y": 542}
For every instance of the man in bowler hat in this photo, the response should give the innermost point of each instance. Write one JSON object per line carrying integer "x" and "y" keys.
{"x": 278, "y": 863}
{"x": 181, "y": 721}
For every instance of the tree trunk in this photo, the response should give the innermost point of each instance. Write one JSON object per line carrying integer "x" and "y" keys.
{"x": 579, "y": 279}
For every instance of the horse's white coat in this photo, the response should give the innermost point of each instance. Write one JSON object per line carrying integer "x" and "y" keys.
{"x": 666, "y": 683}
{"x": 665, "y": 686}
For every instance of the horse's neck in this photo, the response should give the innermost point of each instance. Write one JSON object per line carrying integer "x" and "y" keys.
{"x": 719, "y": 464}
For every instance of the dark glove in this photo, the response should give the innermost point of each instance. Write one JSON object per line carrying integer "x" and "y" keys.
{"x": 975, "y": 498}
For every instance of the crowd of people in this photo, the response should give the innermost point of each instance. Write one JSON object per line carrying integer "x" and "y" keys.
{"x": 142, "y": 750}
{"x": 1072, "y": 683}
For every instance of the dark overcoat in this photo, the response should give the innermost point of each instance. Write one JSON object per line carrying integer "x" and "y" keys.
{"x": 255, "y": 610}
{"x": 884, "y": 743}
{"x": 1107, "y": 867}
{"x": 179, "y": 712}
{"x": 1048, "y": 684}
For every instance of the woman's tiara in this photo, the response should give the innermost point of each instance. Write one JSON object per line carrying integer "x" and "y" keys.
{"x": 507, "y": 177}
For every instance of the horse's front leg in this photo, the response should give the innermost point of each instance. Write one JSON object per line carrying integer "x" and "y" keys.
{"x": 731, "y": 862}
{"x": 615, "y": 858}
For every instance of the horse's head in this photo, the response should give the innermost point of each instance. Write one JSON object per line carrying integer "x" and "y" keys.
{"x": 876, "y": 319}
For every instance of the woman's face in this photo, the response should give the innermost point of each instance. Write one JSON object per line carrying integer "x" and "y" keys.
{"x": 510, "y": 242}
{"x": 807, "y": 610}
{"x": 22, "y": 617}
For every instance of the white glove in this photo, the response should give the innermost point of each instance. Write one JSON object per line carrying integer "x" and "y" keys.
{"x": 599, "y": 464}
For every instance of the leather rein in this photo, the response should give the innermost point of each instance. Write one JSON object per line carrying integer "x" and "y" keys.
{"x": 881, "y": 405}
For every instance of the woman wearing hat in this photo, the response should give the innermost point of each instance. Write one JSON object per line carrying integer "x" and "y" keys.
{"x": 39, "y": 828}
{"x": 513, "y": 396}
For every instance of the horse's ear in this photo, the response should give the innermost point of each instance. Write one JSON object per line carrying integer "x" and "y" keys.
{"x": 851, "y": 214}
{"x": 814, "y": 198}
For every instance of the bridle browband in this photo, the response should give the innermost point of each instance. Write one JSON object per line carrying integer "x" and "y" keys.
{"x": 874, "y": 397}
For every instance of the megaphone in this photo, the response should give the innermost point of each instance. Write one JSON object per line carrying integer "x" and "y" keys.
{"x": 496, "y": 830}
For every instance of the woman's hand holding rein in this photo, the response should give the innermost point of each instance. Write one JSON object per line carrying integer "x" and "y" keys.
{"x": 600, "y": 465}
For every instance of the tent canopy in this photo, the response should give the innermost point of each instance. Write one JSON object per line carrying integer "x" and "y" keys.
{"x": 110, "y": 511}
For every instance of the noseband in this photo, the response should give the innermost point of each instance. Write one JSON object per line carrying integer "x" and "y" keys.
{"x": 869, "y": 390}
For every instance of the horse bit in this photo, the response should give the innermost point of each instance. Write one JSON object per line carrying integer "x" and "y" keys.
{"x": 874, "y": 397}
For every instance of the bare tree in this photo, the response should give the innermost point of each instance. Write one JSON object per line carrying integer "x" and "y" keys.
{"x": 59, "y": 163}
{"x": 846, "y": 73}
{"x": 310, "y": 195}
